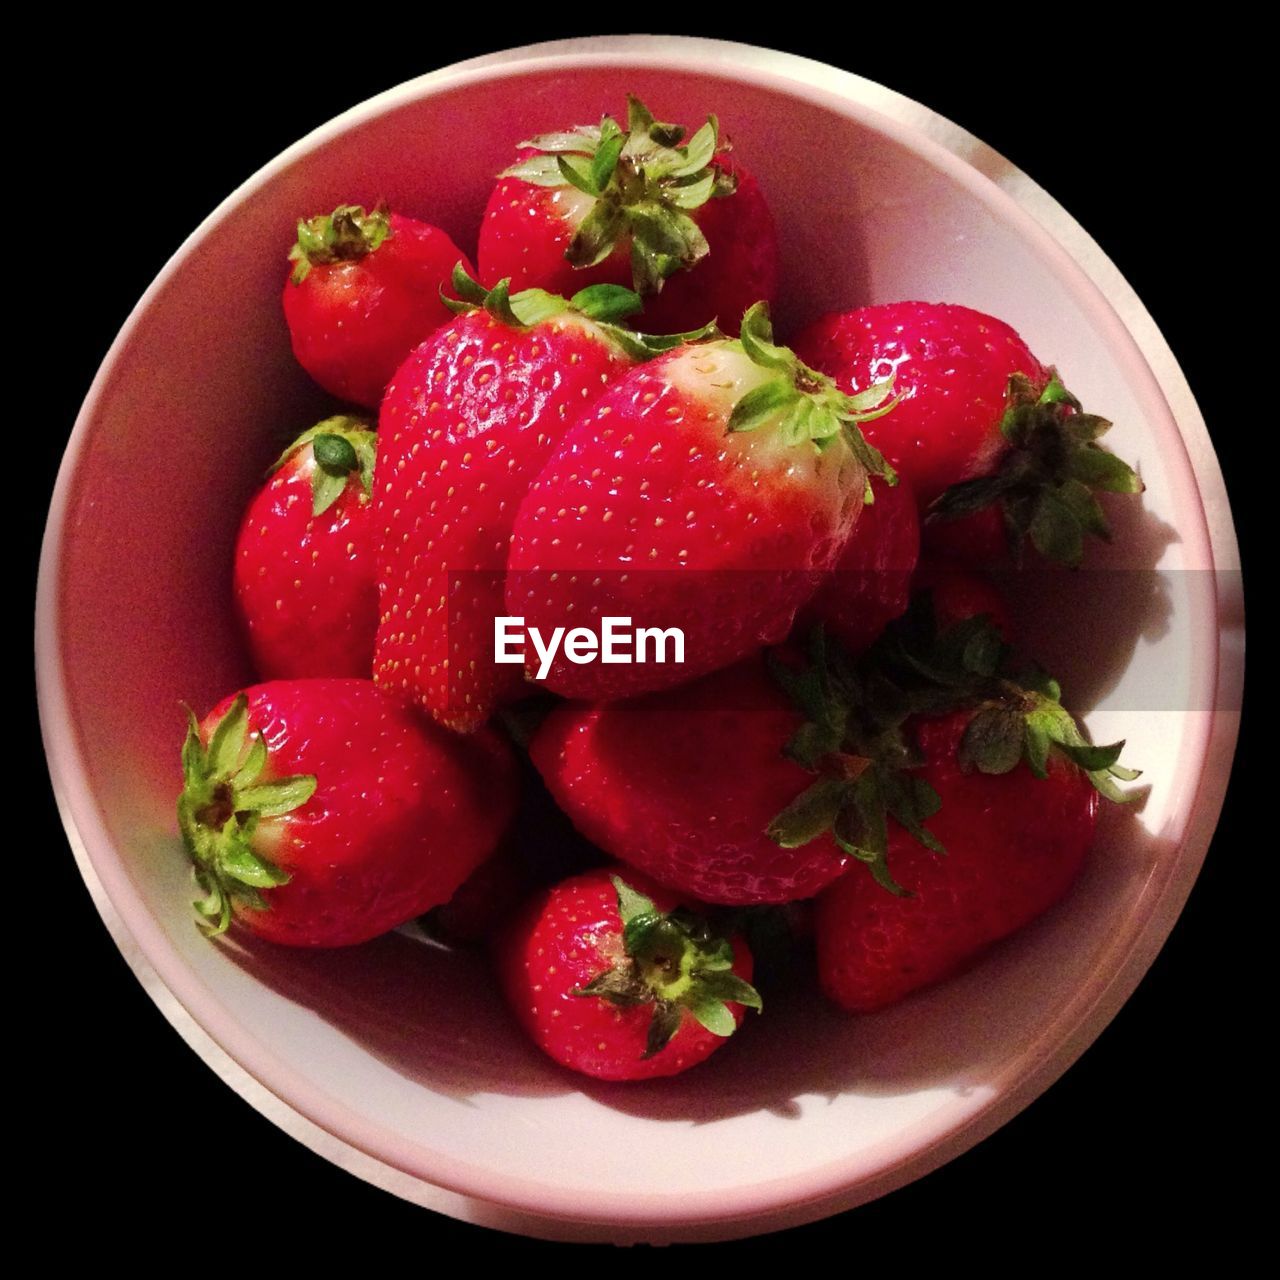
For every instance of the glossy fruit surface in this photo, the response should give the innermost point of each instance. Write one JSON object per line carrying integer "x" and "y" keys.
{"x": 684, "y": 784}
{"x": 1014, "y": 845}
{"x": 363, "y": 291}
{"x": 321, "y": 813}
{"x": 304, "y": 560}
{"x": 611, "y": 977}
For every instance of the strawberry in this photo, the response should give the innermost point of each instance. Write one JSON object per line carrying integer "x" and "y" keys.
{"x": 981, "y": 424}
{"x": 304, "y": 583}
{"x": 685, "y": 226}
{"x": 685, "y": 783}
{"x": 320, "y": 813}
{"x": 466, "y": 425}
{"x": 611, "y": 977}
{"x": 871, "y": 582}
{"x": 1014, "y": 846}
{"x": 706, "y": 491}
{"x": 858, "y": 735}
{"x": 958, "y": 594}
{"x": 363, "y": 291}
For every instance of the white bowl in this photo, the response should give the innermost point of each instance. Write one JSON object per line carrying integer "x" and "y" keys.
{"x": 396, "y": 1059}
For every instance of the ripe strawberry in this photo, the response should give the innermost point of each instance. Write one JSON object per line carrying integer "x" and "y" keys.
{"x": 319, "y": 813}
{"x": 685, "y": 226}
{"x": 708, "y": 491}
{"x": 858, "y": 735}
{"x": 871, "y": 582}
{"x": 958, "y": 594}
{"x": 364, "y": 290}
{"x": 980, "y": 423}
{"x": 1014, "y": 846}
{"x": 467, "y": 423}
{"x": 612, "y": 978}
{"x": 304, "y": 582}
{"x": 685, "y": 783}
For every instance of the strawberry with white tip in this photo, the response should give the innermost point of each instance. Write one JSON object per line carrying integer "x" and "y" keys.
{"x": 709, "y": 490}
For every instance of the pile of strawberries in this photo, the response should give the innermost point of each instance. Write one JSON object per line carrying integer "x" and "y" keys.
{"x": 596, "y": 423}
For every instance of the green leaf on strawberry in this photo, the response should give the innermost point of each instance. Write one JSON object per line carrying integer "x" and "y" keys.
{"x": 1046, "y": 483}
{"x": 342, "y": 446}
{"x": 805, "y": 405}
{"x": 346, "y": 234}
{"x": 643, "y": 182}
{"x": 672, "y": 961}
{"x": 221, "y": 804}
{"x": 857, "y": 739}
{"x": 603, "y": 304}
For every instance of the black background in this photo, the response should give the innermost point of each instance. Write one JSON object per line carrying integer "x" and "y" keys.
{"x": 1134, "y": 1140}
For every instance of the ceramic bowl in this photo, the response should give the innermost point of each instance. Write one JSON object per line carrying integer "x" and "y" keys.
{"x": 396, "y": 1059}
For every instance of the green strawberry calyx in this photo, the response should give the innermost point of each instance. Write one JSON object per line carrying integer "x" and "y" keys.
{"x": 805, "y": 405}
{"x": 674, "y": 962}
{"x": 345, "y": 235}
{"x": 603, "y": 304}
{"x": 856, "y": 735}
{"x": 643, "y": 184}
{"x": 1047, "y": 483}
{"x": 224, "y": 797}
{"x": 343, "y": 447}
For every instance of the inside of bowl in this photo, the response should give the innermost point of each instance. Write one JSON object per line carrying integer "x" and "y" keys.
{"x": 407, "y": 1043}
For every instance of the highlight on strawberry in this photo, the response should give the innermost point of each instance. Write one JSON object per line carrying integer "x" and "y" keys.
{"x": 681, "y": 223}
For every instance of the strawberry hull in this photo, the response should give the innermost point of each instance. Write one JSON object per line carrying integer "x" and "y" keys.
{"x": 401, "y": 813}
{"x": 559, "y": 946}
{"x": 741, "y": 268}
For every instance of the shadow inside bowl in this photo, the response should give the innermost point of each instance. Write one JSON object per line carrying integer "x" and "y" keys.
{"x": 1085, "y": 625}
{"x": 435, "y": 1014}
{"x": 432, "y": 1013}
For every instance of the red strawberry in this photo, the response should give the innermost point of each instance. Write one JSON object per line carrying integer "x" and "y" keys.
{"x": 1014, "y": 845}
{"x": 871, "y": 582}
{"x": 320, "y": 813}
{"x": 466, "y": 425}
{"x": 364, "y": 290}
{"x": 959, "y": 594}
{"x": 685, "y": 226}
{"x": 981, "y": 422}
{"x": 612, "y": 978}
{"x": 304, "y": 580}
{"x": 707, "y": 491}
{"x": 685, "y": 783}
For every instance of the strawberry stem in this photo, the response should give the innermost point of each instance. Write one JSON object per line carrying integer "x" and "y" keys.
{"x": 673, "y": 962}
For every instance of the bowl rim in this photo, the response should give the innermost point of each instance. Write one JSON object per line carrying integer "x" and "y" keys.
{"x": 200, "y": 1016}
